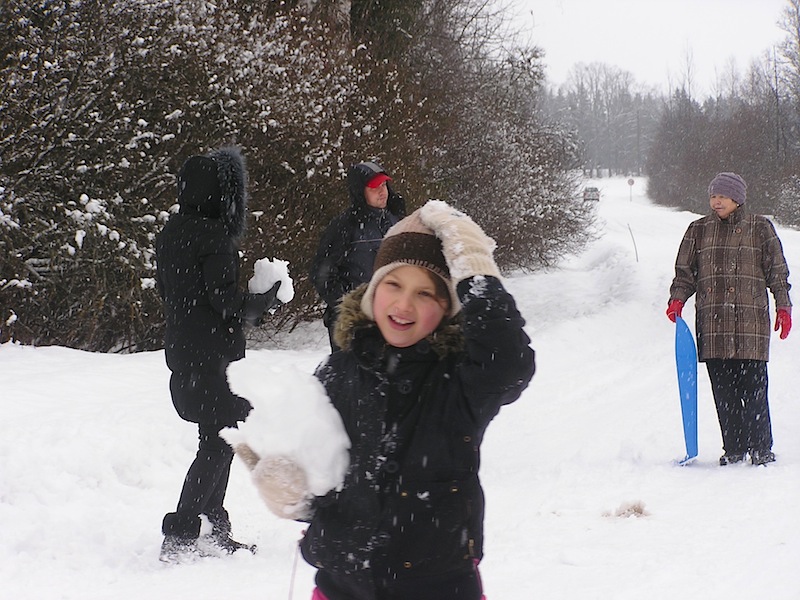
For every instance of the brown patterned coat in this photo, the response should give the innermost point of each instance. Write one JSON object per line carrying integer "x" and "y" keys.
{"x": 730, "y": 264}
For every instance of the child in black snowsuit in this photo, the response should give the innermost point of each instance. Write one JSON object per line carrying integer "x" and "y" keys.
{"x": 432, "y": 348}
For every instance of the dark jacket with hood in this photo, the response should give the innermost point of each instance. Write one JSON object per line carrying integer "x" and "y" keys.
{"x": 411, "y": 505}
{"x": 198, "y": 268}
{"x": 350, "y": 243}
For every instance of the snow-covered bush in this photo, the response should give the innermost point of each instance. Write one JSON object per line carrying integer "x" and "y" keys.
{"x": 103, "y": 101}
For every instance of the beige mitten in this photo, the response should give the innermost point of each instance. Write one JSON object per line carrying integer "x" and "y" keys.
{"x": 466, "y": 248}
{"x": 247, "y": 455}
{"x": 280, "y": 482}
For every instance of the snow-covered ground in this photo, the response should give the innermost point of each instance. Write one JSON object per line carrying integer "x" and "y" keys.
{"x": 584, "y": 498}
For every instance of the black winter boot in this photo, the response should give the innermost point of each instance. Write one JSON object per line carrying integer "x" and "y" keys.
{"x": 221, "y": 533}
{"x": 180, "y": 538}
{"x": 730, "y": 459}
{"x": 762, "y": 457}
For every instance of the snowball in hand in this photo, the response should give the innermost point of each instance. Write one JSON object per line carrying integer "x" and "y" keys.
{"x": 292, "y": 417}
{"x": 267, "y": 273}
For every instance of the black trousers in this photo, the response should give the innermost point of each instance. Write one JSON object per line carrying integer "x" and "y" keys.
{"x": 204, "y": 486}
{"x": 329, "y": 320}
{"x": 740, "y": 394}
{"x": 334, "y": 347}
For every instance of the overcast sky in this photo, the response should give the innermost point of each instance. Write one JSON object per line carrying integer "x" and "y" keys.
{"x": 652, "y": 38}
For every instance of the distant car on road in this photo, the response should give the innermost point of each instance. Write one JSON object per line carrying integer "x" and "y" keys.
{"x": 591, "y": 193}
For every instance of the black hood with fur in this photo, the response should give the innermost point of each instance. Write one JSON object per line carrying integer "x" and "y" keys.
{"x": 215, "y": 186}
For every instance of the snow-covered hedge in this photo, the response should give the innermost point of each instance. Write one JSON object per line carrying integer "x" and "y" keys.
{"x": 103, "y": 101}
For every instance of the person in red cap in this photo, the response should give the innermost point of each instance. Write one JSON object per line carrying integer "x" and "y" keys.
{"x": 349, "y": 245}
{"x": 729, "y": 259}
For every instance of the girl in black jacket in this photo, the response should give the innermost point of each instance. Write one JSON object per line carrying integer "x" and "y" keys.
{"x": 416, "y": 386}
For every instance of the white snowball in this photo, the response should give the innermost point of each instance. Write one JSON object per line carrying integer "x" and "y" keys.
{"x": 292, "y": 416}
{"x": 267, "y": 272}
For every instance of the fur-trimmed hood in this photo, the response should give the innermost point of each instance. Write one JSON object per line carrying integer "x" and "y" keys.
{"x": 447, "y": 339}
{"x": 215, "y": 186}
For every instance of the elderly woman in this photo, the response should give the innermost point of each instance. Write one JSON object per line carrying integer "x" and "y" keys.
{"x": 729, "y": 259}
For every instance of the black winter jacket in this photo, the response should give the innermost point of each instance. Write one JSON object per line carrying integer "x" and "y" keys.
{"x": 197, "y": 277}
{"x": 411, "y": 504}
{"x": 349, "y": 245}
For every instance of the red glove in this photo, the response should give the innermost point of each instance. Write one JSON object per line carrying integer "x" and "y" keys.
{"x": 783, "y": 321}
{"x": 674, "y": 309}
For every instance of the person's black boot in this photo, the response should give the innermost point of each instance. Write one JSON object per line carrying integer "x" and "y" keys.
{"x": 761, "y": 457}
{"x": 180, "y": 538}
{"x": 221, "y": 533}
{"x": 227, "y": 544}
{"x": 176, "y": 549}
{"x": 730, "y": 459}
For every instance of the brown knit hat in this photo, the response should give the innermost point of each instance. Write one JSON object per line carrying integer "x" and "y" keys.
{"x": 409, "y": 242}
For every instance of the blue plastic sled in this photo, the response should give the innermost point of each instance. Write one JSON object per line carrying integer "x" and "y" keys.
{"x": 686, "y": 362}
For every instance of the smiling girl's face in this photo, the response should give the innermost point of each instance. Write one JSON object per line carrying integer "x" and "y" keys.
{"x": 409, "y": 305}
